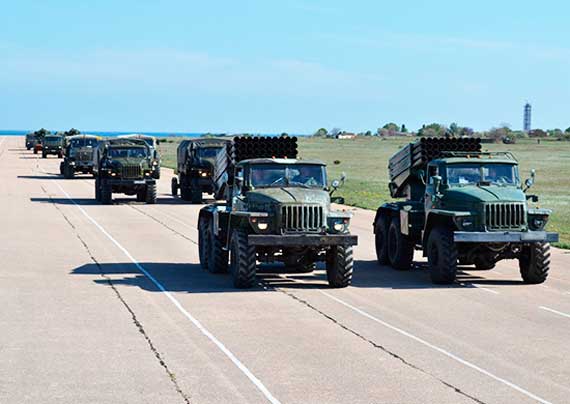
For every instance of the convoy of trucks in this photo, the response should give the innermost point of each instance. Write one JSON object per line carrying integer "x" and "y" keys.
{"x": 456, "y": 204}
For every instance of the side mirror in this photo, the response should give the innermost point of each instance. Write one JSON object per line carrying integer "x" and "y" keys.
{"x": 529, "y": 182}
{"x": 335, "y": 184}
{"x": 436, "y": 183}
{"x": 337, "y": 199}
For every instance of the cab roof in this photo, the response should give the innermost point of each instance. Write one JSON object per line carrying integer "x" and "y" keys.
{"x": 83, "y": 137}
{"x": 475, "y": 160}
{"x": 281, "y": 161}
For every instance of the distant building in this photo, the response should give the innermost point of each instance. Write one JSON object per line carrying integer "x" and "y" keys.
{"x": 527, "y": 117}
{"x": 346, "y": 135}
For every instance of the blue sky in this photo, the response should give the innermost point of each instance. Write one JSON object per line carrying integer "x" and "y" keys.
{"x": 269, "y": 66}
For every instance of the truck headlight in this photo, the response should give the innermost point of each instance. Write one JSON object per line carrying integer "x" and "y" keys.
{"x": 464, "y": 223}
{"x": 339, "y": 225}
{"x": 538, "y": 222}
{"x": 260, "y": 223}
{"x": 262, "y": 226}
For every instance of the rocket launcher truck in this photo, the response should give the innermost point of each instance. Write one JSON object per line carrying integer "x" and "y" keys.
{"x": 461, "y": 206}
{"x": 277, "y": 208}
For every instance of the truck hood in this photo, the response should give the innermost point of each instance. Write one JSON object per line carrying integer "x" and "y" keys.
{"x": 288, "y": 195}
{"x": 483, "y": 194}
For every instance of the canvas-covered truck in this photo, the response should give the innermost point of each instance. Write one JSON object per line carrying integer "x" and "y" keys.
{"x": 124, "y": 166}
{"x": 31, "y": 140}
{"x": 277, "y": 209}
{"x": 461, "y": 206}
{"x": 152, "y": 143}
{"x": 78, "y": 155}
{"x": 197, "y": 163}
{"x": 52, "y": 144}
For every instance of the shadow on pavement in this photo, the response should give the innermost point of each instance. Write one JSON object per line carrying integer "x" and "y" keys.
{"x": 92, "y": 201}
{"x": 50, "y": 176}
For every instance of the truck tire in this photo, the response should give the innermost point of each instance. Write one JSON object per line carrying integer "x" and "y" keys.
{"x": 106, "y": 193}
{"x": 534, "y": 262}
{"x": 174, "y": 186}
{"x": 196, "y": 195}
{"x": 141, "y": 195}
{"x": 150, "y": 194}
{"x": 156, "y": 174}
{"x": 97, "y": 189}
{"x": 442, "y": 256}
{"x": 203, "y": 242}
{"x": 35, "y": 151}
{"x": 68, "y": 172}
{"x": 381, "y": 239}
{"x": 59, "y": 154}
{"x": 400, "y": 248}
{"x": 44, "y": 155}
{"x": 242, "y": 260}
{"x": 483, "y": 264}
{"x": 340, "y": 265}
{"x": 61, "y": 167}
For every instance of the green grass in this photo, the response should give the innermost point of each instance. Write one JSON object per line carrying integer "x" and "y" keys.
{"x": 365, "y": 160}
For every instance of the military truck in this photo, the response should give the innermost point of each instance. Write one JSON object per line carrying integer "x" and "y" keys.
{"x": 124, "y": 166}
{"x": 277, "y": 209}
{"x": 152, "y": 143}
{"x": 197, "y": 164}
{"x": 461, "y": 206}
{"x": 52, "y": 144}
{"x": 31, "y": 140}
{"x": 78, "y": 155}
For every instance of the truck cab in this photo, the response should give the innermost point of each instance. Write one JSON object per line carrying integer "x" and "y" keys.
{"x": 152, "y": 143}
{"x": 52, "y": 144}
{"x": 78, "y": 155}
{"x": 278, "y": 210}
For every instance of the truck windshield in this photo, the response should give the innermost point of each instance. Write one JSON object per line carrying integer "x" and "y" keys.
{"x": 208, "y": 152}
{"x": 486, "y": 174}
{"x": 53, "y": 139}
{"x": 293, "y": 175}
{"x": 125, "y": 152}
{"x": 83, "y": 142}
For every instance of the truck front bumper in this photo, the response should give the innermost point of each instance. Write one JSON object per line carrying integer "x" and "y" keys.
{"x": 505, "y": 237}
{"x": 300, "y": 240}
{"x": 148, "y": 181}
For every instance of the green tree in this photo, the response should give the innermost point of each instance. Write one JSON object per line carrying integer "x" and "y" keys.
{"x": 322, "y": 132}
{"x": 432, "y": 130}
{"x": 403, "y": 129}
{"x": 391, "y": 127}
{"x": 567, "y": 130}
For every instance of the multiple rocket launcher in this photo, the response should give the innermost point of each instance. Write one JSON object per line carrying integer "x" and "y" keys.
{"x": 405, "y": 166}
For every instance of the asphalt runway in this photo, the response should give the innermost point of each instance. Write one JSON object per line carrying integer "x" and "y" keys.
{"x": 108, "y": 304}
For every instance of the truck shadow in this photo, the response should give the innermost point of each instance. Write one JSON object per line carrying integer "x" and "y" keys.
{"x": 92, "y": 201}
{"x": 49, "y": 176}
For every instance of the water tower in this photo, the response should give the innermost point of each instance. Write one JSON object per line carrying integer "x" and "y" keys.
{"x": 527, "y": 117}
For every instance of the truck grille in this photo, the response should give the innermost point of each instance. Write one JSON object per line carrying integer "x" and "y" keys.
{"x": 85, "y": 155}
{"x": 131, "y": 171}
{"x": 302, "y": 217}
{"x": 504, "y": 216}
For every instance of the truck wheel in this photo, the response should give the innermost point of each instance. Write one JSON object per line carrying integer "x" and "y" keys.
{"x": 97, "y": 189}
{"x": 106, "y": 193}
{"x": 534, "y": 262}
{"x": 59, "y": 155}
{"x": 381, "y": 238}
{"x": 141, "y": 195}
{"x": 35, "y": 151}
{"x": 156, "y": 174}
{"x": 68, "y": 172}
{"x": 400, "y": 248}
{"x": 196, "y": 195}
{"x": 203, "y": 241}
{"x": 61, "y": 167}
{"x": 174, "y": 186}
{"x": 340, "y": 264}
{"x": 44, "y": 155}
{"x": 442, "y": 256}
{"x": 242, "y": 260}
{"x": 151, "y": 194}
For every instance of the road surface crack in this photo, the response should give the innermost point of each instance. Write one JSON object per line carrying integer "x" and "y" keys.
{"x": 133, "y": 315}
{"x": 374, "y": 344}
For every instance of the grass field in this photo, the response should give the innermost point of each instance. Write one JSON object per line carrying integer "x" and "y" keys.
{"x": 365, "y": 160}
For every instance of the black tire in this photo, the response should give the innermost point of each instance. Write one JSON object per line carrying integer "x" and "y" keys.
{"x": 204, "y": 241}
{"x": 59, "y": 155}
{"x": 61, "y": 167}
{"x": 97, "y": 189}
{"x": 68, "y": 172}
{"x": 150, "y": 197}
{"x": 106, "y": 193}
{"x": 156, "y": 174}
{"x": 534, "y": 263}
{"x": 35, "y": 151}
{"x": 242, "y": 260}
{"x": 44, "y": 155}
{"x": 141, "y": 195}
{"x": 185, "y": 192}
{"x": 174, "y": 186}
{"x": 381, "y": 240}
{"x": 442, "y": 256}
{"x": 400, "y": 248}
{"x": 196, "y": 195}
{"x": 340, "y": 265}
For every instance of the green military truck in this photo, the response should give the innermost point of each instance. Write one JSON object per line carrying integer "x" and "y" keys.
{"x": 31, "y": 140}
{"x": 197, "y": 163}
{"x": 152, "y": 143}
{"x": 462, "y": 206}
{"x": 52, "y": 144}
{"x": 277, "y": 209}
{"x": 124, "y": 166}
{"x": 78, "y": 155}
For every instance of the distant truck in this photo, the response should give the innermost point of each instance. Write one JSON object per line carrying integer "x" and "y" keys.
{"x": 461, "y": 206}
{"x": 152, "y": 143}
{"x": 31, "y": 140}
{"x": 277, "y": 209}
{"x": 78, "y": 155}
{"x": 52, "y": 144}
{"x": 124, "y": 166}
{"x": 196, "y": 168}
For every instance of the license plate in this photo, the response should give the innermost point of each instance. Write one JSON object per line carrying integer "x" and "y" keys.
{"x": 139, "y": 182}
